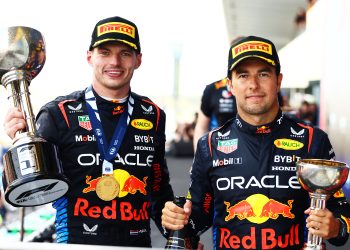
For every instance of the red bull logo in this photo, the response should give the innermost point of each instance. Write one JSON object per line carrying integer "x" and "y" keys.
{"x": 128, "y": 184}
{"x": 221, "y": 83}
{"x": 242, "y": 210}
{"x": 124, "y": 211}
{"x": 133, "y": 184}
{"x": 91, "y": 184}
{"x": 258, "y": 208}
{"x": 118, "y": 110}
{"x": 269, "y": 239}
{"x": 273, "y": 209}
{"x": 263, "y": 130}
{"x": 339, "y": 194}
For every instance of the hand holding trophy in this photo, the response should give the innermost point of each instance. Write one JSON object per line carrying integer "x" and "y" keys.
{"x": 321, "y": 178}
{"x": 32, "y": 170}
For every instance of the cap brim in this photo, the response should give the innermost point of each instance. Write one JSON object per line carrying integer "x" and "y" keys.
{"x": 271, "y": 62}
{"x": 98, "y": 43}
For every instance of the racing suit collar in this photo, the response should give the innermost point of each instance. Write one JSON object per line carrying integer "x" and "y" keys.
{"x": 262, "y": 129}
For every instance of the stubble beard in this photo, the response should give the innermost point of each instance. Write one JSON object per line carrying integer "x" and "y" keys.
{"x": 256, "y": 109}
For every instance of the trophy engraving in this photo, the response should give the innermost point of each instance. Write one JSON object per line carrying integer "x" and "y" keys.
{"x": 32, "y": 170}
{"x": 321, "y": 178}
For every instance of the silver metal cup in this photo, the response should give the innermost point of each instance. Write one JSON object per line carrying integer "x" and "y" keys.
{"x": 32, "y": 170}
{"x": 321, "y": 178}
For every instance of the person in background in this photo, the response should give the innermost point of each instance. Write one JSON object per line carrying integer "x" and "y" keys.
{"x": 300, "y": 21}
{"x": 243, "y": 177}
{"x": 308, "y": 112}
{"x": 107, "y": 135}
{"x": 182, "y": 144}
{"x": 218, "y": 105}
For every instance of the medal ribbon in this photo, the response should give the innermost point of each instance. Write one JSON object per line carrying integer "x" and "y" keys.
{"x": 108, "y": 152}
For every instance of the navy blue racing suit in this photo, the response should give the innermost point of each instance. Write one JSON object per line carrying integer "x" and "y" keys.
{"x": 139, "y": 168}
{"x": 244, "y": 184}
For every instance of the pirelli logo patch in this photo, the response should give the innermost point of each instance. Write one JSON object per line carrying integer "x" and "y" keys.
{"x": 116, "y": 27}
{"x": 251, "y": 46}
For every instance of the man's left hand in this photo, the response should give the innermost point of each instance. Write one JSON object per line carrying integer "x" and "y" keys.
{"x": 321, "y": 222}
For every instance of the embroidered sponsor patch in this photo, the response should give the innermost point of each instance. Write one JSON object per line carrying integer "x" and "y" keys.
{"x": 288, "y": 144}
{"x": 142, "y": 124}
{"x": 227, "y": 146}
{"x": 84, "y": 122}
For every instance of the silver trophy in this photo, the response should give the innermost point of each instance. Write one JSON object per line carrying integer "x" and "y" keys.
{"x": 32, "y": 170}
{"x": 321, "y": 178}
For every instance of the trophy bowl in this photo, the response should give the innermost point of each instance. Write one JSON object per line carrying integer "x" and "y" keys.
{"x": 21, "y": 48}
{"x": 321, "y": 178}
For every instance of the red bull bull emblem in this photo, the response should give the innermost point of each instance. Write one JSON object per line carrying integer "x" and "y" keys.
{"x": 273, "y": 209}
{"x": 258, "y": 208}
{"x": 118, "y": 110}
{"x": 242, "y": 210}
{"x": 339, "y": 194}
{"x": 133, "y": 184}
{"x": 91, "y": 184}
{"x": 263, "y": 130}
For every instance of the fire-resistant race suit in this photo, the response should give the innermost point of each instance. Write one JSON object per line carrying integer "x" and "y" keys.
{"x": 218, "y": 103}
{"x": 139, "y": 168}
{"x": 244, "y": 184}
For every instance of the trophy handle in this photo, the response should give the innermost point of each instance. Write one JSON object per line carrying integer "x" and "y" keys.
{"x": 318, "y": 201}
{"x": 16, "y": 82}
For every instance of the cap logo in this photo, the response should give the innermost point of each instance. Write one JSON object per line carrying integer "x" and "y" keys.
{"x": 251, "y": 46}
{"x": 116, "y": 27}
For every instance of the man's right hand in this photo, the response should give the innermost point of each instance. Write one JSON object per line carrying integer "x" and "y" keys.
{"x": 174, "y": 217}
{"x": 14, "y": 121}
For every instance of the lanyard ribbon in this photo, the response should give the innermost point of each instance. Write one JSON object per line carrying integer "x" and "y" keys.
{"x": 107, "y": 152}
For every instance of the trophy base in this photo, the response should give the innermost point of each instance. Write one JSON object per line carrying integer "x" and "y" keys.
{"x": 35, "y": 191}
{"x": 33, "y": 173}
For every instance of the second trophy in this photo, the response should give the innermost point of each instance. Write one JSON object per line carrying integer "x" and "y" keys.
{"x": 321, "y": 178}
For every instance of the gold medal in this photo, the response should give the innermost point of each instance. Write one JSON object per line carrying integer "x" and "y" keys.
{"x": 107, "y": 188}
